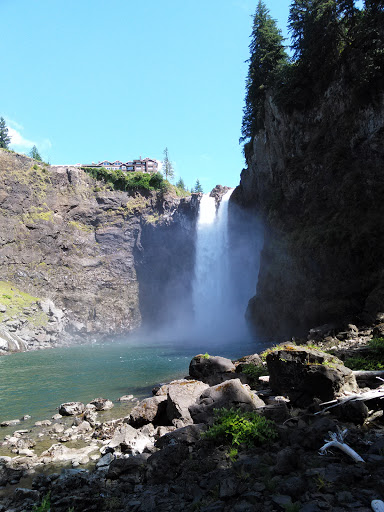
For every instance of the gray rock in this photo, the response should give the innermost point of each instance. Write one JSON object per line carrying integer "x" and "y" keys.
{"x": 282, "y": 500}
{"x": 303, "y": 374}
{"x": 71, "y": 408}
{"x": 129, "y": 440}
{"x": 105, "y": 460}
{"x": 43, "y": 423}
{"x": 181, "y": 395}
{"x": 126, "y": 398}
{"x": 9, "y": 423}
{"x": 132, "y": 466}
{"x": 150, "y": 410}
{"x": 22, "y": 495}
{"x": 102, "y": 404}
{"x": 212, "y": 369}
{"x": 228, "y": 394}
{"x": 187, "y": 435}
{"x": 286, "y": 461}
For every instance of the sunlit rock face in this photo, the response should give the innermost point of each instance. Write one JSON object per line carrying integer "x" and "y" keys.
{"x": 315, "y": 176}
{"x": 72, "y": 240}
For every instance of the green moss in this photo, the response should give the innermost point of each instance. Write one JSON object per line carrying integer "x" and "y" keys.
{"x": 152, "y": 219}
{"x": 80, "y": 226}
{"x": 136, "y": 205}
{"x": 289, "y": 346}
{"x": 15, "y": 301}
{"x": 38, "y": 214}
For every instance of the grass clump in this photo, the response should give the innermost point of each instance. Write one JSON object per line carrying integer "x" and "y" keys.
{"x": 371, "y": 362}
{"x": 236, "y": 427}
{"x": 254, "y": 371}
{"x": 205, "y": 356}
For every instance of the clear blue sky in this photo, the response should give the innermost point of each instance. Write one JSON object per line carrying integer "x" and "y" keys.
{"x": 91, "y": 80}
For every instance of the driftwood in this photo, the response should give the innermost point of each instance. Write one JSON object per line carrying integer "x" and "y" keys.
{"x": 368, "y": 378}
{"x": 377, "y": 506}
{"x": 368, "y": 395}
{"x": 369, "y": 374}
{"x": 337, "y": 441}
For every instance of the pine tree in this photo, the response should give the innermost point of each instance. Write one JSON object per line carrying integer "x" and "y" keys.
{"x": 374, "y": 6}
{"x": 168, "y": 171}
{"x": 35, "y": 154}
{"x": 198, "y": 187}
{"x": 267, "y": 53}
{"x": 314, "y": 27}
{"x": 5, "y": 140}
{"x": 181, "y": 184}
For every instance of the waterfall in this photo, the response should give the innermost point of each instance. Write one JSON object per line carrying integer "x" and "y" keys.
{"x": 217, "y": 311}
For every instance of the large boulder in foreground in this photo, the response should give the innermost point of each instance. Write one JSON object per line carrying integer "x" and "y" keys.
{"x": 303, "y": 374}
{"x": 211, "y": 369}
{"x": 228, "y": 394}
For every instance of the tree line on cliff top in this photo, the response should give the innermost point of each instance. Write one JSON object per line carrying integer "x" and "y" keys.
{"x": 326, "y": 36}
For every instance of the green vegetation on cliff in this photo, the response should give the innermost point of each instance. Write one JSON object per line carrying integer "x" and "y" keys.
{"x": 327, "y": 36}
{"x": 135, "y": 181}
{"x": 119, "y": 180}
{"x": 15, "y": 302}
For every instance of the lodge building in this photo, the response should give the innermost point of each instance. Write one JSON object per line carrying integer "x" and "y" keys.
{"x": 141, "y": 165}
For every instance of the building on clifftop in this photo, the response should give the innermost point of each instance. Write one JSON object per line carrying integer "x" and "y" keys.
{"x": 142, "y": 165}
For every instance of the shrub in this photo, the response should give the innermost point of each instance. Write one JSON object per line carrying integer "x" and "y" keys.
{"x": 237, "y": 427}
{"x": 254, "y": 371}
{"x": 45, "y": 505}
{"x": 119, "y": 180}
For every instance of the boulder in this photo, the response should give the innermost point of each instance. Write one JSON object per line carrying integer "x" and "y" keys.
{"x": 181, "y": 395}
{"x": 211, "y": 369}
{"x": 131, "y": 467}
{"x": 59, "y": 453}
{"x": 150, "y": 410}
{"x": 71, "y": 408}
{"x": 128, "y": 440}
{"x": 186, "y": 435}
{"x": 228, "y": 394}
{"x": 303, "y": 374}
{"x": 9, "y": 423}
{"x": 102, "y": 404}
{"x": 243, "y": 362}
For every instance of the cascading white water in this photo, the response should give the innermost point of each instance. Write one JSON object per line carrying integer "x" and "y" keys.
{"x": 215, "y": 310}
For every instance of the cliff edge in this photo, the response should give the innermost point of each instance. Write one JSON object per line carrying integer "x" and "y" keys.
{"x": 71, "y": 250}
{"x": 316, "y": 177}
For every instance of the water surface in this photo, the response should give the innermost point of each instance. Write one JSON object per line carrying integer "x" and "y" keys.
{"x": 36, "y": 383}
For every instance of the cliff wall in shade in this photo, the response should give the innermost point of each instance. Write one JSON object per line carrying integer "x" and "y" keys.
{"x": 71, "y": 250}
{"x": 316, "y": 176}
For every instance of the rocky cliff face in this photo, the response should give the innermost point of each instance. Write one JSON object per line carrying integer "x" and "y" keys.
{"x": 71, "y": 251}
{"x": 316, "y": 177}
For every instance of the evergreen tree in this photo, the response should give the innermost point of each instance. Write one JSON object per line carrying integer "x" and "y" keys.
{"x": 35, "y": 154}
{"x": 374, "y": 6}
{"x": 168, "y": 171}
{"x": 314, "y": 27}
{"x": 181, "y": 184}
{"x": 5, "y": 140}
{"x": 198, "y": 188}
{"x": 267, "y": 53}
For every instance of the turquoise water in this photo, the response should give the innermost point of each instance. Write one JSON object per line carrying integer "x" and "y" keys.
{"x": 36, "y": 383}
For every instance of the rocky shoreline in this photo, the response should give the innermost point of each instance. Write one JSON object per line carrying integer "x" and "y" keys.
{"x": 159, "y": 457}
